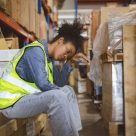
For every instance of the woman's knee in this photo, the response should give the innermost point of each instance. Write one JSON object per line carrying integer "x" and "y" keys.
{"x": 70, "y": 91}
{"x": 60, "y": 96}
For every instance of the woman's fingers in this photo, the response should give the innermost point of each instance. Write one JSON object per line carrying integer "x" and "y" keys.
{"x": 82, "y": 56}
{"x": 79, "y": 57}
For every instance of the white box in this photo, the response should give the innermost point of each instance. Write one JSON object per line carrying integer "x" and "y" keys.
{"x": 82, "y": 86}
{"x": 5, "y": 56}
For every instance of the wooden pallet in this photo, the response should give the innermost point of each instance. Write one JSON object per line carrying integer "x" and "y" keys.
{"x": 116, "y": 57}
{"x": 114, "y": 128}
{"x": 7, "y": 127}
{"x": 23, "y": 127}
{"x": 41, "y": 123}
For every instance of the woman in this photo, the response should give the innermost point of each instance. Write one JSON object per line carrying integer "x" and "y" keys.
{"x": 29, "y": 84}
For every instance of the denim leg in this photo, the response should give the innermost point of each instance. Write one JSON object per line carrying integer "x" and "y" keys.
{"x": 70, "y": 93}
{"x": 54, "y": 102}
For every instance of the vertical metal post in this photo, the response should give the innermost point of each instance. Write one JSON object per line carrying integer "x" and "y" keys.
{"x": 48, "y": 30}
{"x": 39, "y": 6}
{"x": 76, "y": 8}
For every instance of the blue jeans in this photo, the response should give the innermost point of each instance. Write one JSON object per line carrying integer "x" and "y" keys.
{"x": 60, "y": 105}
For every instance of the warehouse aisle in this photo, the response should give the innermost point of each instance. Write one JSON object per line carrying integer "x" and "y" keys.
{"x": 91, "y": 119}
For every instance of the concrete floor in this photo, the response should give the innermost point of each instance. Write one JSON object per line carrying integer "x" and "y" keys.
{"x": 91, "y": 119}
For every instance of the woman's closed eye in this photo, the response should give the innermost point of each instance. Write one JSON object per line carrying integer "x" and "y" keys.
{"x": 69, "y": 51}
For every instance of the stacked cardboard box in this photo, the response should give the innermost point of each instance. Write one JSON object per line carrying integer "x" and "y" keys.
{"x": 26, "y": 14}
{"x": 9, "y": 43}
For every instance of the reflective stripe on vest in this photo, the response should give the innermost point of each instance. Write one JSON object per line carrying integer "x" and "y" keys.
{"x": 21, "y": 84}
{"x": 8, "y": 95}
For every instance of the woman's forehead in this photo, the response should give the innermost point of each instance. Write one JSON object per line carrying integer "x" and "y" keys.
{"x": 71, "y": 46}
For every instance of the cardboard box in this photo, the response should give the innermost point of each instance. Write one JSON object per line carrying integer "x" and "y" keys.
{"x": 82, "y": 86}
{"x": 12, "y": 43}
{"x": 3, "y": 44}
{"x": 9, "y": 43}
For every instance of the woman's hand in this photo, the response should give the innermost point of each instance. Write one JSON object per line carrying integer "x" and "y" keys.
{"x": 79, "y": 57}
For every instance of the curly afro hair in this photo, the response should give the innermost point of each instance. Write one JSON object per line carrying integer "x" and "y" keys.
{"x": 71, "y": 33}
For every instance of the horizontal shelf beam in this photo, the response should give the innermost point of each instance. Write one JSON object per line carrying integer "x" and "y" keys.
{"x": 15, "y": 26}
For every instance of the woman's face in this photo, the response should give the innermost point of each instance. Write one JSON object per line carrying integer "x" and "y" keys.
{"x": 64, "y": 51}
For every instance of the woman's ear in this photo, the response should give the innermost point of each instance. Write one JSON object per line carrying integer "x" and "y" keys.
{"x": 61, "y": 41}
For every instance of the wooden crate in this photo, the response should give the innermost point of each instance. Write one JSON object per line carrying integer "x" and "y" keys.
{"x": 129, "y": 45}
{"x": 112, "y": 92}
{"x": 90, "y": 87}
{"x": 112, "y": 58}
{"x": 114, "y": 128}
{"x": 112, "y": 89}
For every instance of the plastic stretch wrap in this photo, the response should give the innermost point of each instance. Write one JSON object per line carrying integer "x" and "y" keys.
{"x": 99, "y": 47}
{"x": 2, "y": 67}
{"x": 117, "y": 92}
{"x": 115, "y": 25}
{"x": 108, "y": 39}
{"x": 112, "y": 94}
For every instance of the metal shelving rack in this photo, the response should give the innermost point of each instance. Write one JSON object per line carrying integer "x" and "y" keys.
{"x": 16, "y": 27}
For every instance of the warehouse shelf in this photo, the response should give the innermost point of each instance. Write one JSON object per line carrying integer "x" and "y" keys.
{"x": 100, "y": 1}
{"x": 16, "y": 27}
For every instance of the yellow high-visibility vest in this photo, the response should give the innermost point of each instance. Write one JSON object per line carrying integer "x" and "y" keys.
{"x": 12, "y": 86}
